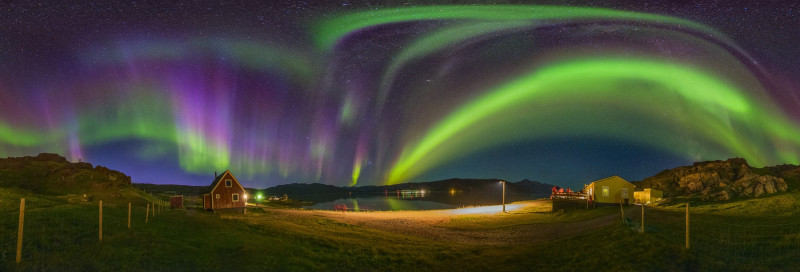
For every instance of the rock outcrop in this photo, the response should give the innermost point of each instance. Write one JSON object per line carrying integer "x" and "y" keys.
{"x": 716, "y": 180}
{"x": 53, "y": 174}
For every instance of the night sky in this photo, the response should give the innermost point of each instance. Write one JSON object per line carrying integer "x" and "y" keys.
{"x": 354, "y": 93}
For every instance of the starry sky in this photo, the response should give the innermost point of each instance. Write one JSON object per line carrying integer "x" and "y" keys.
{"x": 362, "y": 93}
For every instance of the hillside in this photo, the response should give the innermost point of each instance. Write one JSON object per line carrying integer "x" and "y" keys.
{"x": 172, "y": 189}
{"x": 52, "y": 174}
{"x": 722, "y": 180}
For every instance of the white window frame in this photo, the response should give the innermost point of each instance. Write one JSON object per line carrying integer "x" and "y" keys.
{"x": 235, "y": 197}
{"x": 228, "y": 183}
{"x": 217, "y": 196}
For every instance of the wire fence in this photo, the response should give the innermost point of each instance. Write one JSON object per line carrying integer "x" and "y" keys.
{"x": 54, "y": 235}
{"x": 8, "y": 237}
{"x": 723, "y": 242}
{"x": 749, "y": 245}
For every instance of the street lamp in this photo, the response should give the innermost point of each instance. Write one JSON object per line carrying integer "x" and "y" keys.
{"x": 504, "y": 195}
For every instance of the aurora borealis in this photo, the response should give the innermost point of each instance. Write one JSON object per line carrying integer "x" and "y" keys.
{"x": 361, "y": 94}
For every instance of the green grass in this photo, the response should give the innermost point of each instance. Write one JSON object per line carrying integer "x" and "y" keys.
{"x": 61, "y": 235}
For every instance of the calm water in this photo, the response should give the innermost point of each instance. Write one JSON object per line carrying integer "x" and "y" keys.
{"x": 381, "y": 203}
{"x": 418, "y": 202}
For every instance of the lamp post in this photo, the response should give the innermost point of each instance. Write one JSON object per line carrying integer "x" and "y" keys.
{"x": 504, "y": 195}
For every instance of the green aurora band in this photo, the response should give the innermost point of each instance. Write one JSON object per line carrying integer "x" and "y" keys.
{"x": 722, "y": 113}
{"x": 471, "y": 22}
{"x": 328, "y": 32}
{"x": 196, "y": 153}
{"x": 436, "y": 41}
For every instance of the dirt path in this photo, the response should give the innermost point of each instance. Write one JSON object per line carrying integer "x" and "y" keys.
{"x": 429, "y": 224}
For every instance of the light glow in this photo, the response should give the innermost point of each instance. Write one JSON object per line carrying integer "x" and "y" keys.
{"x": 486, "y": 209}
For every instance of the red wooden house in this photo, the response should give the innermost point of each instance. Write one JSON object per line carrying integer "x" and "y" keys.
{"x": 224, "y": 193}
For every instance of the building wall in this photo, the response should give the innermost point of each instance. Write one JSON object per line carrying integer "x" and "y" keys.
{"x": 640, "y": 197}
{"x": 225, "y": 200}
{"x": 176, "y": 202}
{"x": 649, "y": 196}
{"x": 207, "y": 202}
{"x": 656, "y": 195}
{"x": 615, "y": 186}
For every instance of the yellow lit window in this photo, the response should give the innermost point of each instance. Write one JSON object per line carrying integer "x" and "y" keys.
{"x": 605, "y": 191}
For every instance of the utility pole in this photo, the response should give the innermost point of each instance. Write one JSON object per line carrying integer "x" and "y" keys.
{"x": 504, "y": 196}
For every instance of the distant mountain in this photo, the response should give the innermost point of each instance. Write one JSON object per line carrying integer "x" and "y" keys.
{"x": 317, "y": 192}
{"x": 722, "y": 180}
{"x": 304, "y": 188}
{"x": 461, "y": 189}
{"x": 50, "y": 173}
{"x": 533, "y": 187}
{"x": 463, "y": 185}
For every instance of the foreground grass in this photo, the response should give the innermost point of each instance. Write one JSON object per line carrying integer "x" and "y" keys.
{"x": 273, "y": 239}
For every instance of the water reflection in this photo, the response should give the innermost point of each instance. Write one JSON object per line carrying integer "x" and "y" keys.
{"x": 381, "y": 203}
{"x": 407, "y": 200}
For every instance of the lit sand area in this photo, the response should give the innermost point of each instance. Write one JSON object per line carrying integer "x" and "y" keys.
{"x": 523, "y": 222}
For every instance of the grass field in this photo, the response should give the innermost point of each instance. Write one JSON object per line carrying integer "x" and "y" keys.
{"x": 61, "y": 234}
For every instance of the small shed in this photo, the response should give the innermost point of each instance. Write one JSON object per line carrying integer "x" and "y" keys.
{"x": 610, "y": 190}
{"x": 648, "y": 196}
{"x": 176, "y": 202}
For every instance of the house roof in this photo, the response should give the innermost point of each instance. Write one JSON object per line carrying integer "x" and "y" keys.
{"x": 217, "y": 179}
{"x": 609, "y": 179}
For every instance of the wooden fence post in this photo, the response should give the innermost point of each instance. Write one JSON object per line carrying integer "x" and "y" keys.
{"x": 129, "y": 215}
{"x": 687, "y": 225}
{"x": 642, "y": 230}
{"x": 101, "y": 220}
{"x": 19, "y": 231}
{"x": 147, "y": 213}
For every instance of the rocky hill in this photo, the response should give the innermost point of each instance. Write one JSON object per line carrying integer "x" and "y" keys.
{"x": 720, "y": 180}
{"x": 789, "y": 173}
{"x": 50, "y": 173}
